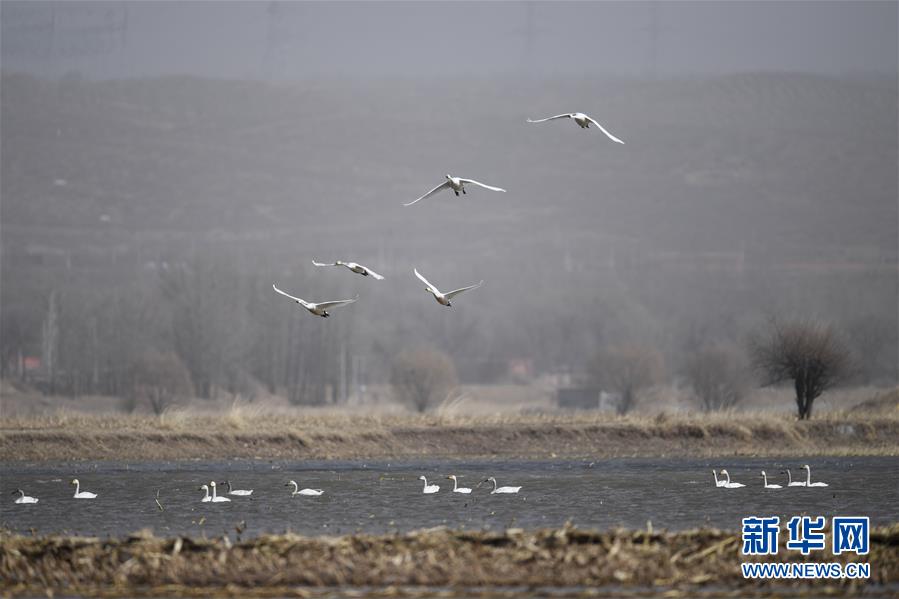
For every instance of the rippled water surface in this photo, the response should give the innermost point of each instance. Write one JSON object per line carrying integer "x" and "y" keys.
{"x": 380, "y": 496}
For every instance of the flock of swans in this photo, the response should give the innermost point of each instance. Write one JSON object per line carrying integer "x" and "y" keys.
{"x": 727, "y": 484}
{"x": 457, "y": 185}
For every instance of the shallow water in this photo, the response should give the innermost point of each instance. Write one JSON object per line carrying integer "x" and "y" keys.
{"x": 375, "y": 497}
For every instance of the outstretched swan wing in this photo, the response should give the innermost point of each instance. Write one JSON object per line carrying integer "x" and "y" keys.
{"x": 479, "y": 184}
{"x": 452, "y": 294}
{"x": 296, "y": 299}
{"x": 603, "y": 129}
{"x": 373, "y": 273}
{"x": 425, "y": 281}
{"x": 323, "y": 263}
{"x": 551, "y": 118}
{"x": 430, "y": 193}
{"x": 336, "y": 304}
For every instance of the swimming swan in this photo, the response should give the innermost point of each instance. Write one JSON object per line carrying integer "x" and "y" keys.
{"x": 79, "y": 494}
{"x": 456, "y": 488}
{"x": 319, "y": 309}
{"x": 216, "y": 498}
{"x": 429, "y": 489}
{"x": 808, "y": 478}
{"x": 581, "y": 119}
{"x": 206, "y": 497}
{"x": 501, "y": 489}
{"x": 24, "y": 498}
{"x": 298, "y": 491}
{"x": 457, "y": 184}
{"x": 239, "y": 492}
{"x": 728, "y": 484}
{"x": 718, "y": 483}
{"x": 443, "y": 298}
{"x": 353, "y": 266}
{"x": 771, "y": 486}
{"x": 793, "y": 483}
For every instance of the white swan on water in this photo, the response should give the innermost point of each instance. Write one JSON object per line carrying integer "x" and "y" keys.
{"x": 728, "y": 484}
{"x": 216, "y": 498}
{"x": 443, "y": 298}
{"x": 298, "y": 491}
{"x": 808, "y": 478}
{"x": 582, "y": 120}
{"x": 23, "y": 497}
{"x": 771, "y": 486}
{"x": 497, "y": 489}
{"x": 79, "y": 494}
{"x": 238, "y": 492}
{"x": 456, "y": 488}
{"x": 429, "y": 489}
{"x": 207, "y": 497}
{"x": 793, "y": 483}
{"x": 718, "y": 483}
{"x": 457, "y": 184}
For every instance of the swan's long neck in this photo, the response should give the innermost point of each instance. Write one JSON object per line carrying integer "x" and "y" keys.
{"x": 77, "y": 487}
{"x": 808, "y": 476}
{"x": 765, "y": 478}
{"x": 296, "y": 487}
{"x": 494, "y": 484}
{"x": 454, "y": 484}
{"x": 715, "y": 474}
{"x": 213, "y": 493}
{"x": 727, "y": 474}
{"x": 206, "y": 492}
{"x": 789, "y": 477}
{"x": 426, "y": 481}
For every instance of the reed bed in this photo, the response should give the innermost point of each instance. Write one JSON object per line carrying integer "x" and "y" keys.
{"x": 452, "y": 561}
{"x": 242, "y": 432}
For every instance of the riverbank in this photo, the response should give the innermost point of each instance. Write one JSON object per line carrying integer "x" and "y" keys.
{"x": 453, "y": 562}
{"x": 238, "y": 435}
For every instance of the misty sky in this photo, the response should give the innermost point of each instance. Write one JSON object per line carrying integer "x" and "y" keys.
{"x": 291, "y": 40}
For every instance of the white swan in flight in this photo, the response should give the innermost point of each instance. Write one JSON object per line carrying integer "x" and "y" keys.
{"x": 582, "y": 120}
{"x": 23, "y": 498}
{"x": 501, "y": 489}
{"x": 443, "y": 298}
{"x": 457, "y": 184}
{"x": 353, "y": 266}
{"x": 718, "y": 483}
{"x": 728, "y": 484}
{"x": 79, "y": 494}
{"x": 206, "y": 497}
{"x": 298, "y": 491}
{"x": 769, "y": 486}
{"x": 429, "y": 489}
{"x": 808, "y": 478}
{"x": 793, "y": 483}
{"x": 456, "y": 487}
{"x": 216, "y": 498}
{"x": 319, "y": 309}
{"x": 238, "y": 492}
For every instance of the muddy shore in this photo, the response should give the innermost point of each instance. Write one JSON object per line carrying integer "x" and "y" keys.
{"x": 290, "y": 565}
{"x": 149, "y": 438}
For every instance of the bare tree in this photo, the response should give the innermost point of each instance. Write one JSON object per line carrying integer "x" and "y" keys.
{"x": 719, "y": 376}
{"x": 422, "y": 378}
{"x": 159, "y": 379}
{"x": 806, "y": 352}
{"x": 626, "y": 370}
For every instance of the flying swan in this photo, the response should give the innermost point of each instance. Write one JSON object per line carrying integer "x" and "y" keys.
{"x": 729, "y": 485}
{"x": 298, "y": 491}
{"x": 457, "y": 184}
{"x": 793, "y": 483}
{"x": 443, "y": 298}
{"x": 808, "y": 478}
{"x": 23, "y": 497}
{"x": 429, "y": 489}
{"x": 501, "y": 489}
{"x": 79, "y": 494}
{"x": 353, "y": 266}
{"x": 769, "y": 486}
{"x": 239, "y": 492}
{"x": 319, "y": 309}
{"x": 581, "y": 119}
{"x": 456, "y": 488}
{"x": 216, "y": 498}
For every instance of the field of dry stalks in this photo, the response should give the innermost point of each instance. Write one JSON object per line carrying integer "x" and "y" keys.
{"x": 242, "y": 432}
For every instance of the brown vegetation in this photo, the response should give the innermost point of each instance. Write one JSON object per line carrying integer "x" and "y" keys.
{"x": 422, "y": 378}
{"x": 460, "y": 561}
{"x": 627, "y": 370}
{"x": 719, "y": 376}
{"x": 243, "y": 433}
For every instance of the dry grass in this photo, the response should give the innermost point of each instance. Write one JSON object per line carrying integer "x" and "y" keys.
{"x": 247, "y": 431}
{"x": 455, "y": 562}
